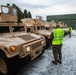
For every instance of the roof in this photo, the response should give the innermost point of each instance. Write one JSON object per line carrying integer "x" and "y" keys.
{"x": 65, "y": 16}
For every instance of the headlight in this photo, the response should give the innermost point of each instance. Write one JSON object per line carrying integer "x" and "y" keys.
{"x": 13, "y": 48}
{"x": 28, "y": 48}
{"x": 43, "y": 42}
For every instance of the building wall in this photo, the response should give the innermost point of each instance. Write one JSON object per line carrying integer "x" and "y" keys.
{"x": 70, "y": 19}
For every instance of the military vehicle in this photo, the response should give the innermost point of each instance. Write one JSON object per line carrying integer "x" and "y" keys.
{"x": 15, "y": 41}
{"x": 52, "y": 25}
{"x": 64, "y": 27}
{"x": 61, "y": 24}
{"x": 37, "y": 26}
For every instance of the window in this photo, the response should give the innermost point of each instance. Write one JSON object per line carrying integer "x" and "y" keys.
{"x": 28, "y": 30}
{"x": 38, "y": 27}
{"x": 47, "y": 28}
{"x": 28, "y": 19}
{"x": 18, "y": 28}
{"x": 42, "y": 27}
{"x": 14, "y": 12}
{"x": 5, "y": 10}
{"x": 37, "y": 17}
{"x": 4, "y": 29}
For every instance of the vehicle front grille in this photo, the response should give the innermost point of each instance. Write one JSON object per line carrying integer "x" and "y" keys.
{"x": 26, "y": 37}
{"x": 36, "y": 45}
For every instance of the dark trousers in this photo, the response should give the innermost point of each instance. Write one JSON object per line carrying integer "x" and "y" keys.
{"x": 70, "y": 34}
{"x": 57, "y": 52}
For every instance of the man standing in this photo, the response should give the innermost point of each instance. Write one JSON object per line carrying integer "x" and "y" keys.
{"x": 57, "y": 39}
{"x": 70, "y": 30}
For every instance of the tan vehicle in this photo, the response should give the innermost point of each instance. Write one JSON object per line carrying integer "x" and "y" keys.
{"x": 38, "y": 26}
{"x": 64, "y": 27}
{"x": 15, "y": 41}
{"x": 61, "y": 24}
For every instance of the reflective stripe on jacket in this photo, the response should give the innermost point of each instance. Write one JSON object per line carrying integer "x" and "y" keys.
{"x": 58, "y": 36}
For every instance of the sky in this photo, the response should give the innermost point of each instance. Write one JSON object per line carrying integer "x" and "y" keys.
{"x": 44, "y": 7}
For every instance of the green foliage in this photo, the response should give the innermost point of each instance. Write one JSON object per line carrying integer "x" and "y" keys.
{"x": 20, "y": 14}
{"x": 29, "y": 15}
{"x": 25, "y": 13}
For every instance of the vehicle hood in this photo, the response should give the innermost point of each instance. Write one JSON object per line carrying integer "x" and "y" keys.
{"x": 17, "y": 38}
{"x": 44, "y": 32}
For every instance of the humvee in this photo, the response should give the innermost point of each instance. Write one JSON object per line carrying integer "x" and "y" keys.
{"x": 61, "y": 24}
{"x": 52, "y": 25}
{"x": 15, "y": 41}
{"x": 64, "y": 27}
{"x": 38, "y": 26}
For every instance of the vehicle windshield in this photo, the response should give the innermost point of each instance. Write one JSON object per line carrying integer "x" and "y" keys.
{"x": 38, "y": 17}
{"x": 28, "y": 30}
{"x": 5, "y": 10}
{"x": 42, "y": 28}
{"x": 28, "y": 19}
{"x": 18, "y": 28}
{"x": 4, "y": 29}
{"x": 47, "y": 28}
{"x": 38, "y": 28}
{"x": 14, "y": 12}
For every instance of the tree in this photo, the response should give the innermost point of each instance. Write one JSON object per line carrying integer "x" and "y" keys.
{"x": 20, "y": 14}
{"x": 29, "y": 15}
{"x": 25, "y": 13}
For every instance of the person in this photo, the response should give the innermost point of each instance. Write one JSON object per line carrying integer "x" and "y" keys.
{"x": 57, "y": 40}
{"x": 69, "y": 32}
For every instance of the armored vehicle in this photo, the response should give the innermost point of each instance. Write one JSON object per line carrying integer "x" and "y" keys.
{"x": 15, "y": 41}
{"x": 52, "y": 25}
{"x": 64, "y": 27}
{"x": 61, "y": 24}
{"x": 38, "y": 26}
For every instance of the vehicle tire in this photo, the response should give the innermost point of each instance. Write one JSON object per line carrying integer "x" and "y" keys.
{"x": 4, "y": 65}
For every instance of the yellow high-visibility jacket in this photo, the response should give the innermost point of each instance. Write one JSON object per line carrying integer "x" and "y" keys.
{"x": 58, "y": 36}
{"x": 70, "y": 29}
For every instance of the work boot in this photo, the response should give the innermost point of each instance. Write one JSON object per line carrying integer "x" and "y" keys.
{"x": 54, "y": 62}
{"x": 59, "y": 61}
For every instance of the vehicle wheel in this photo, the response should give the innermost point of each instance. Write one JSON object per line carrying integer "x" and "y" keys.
{"x": 4, "y": 65}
